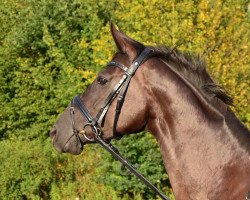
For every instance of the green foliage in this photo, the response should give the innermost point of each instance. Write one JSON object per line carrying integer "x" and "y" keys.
{"x": 23, "y": 173}
{"x": 51, "y": 50}
{"x": 43, "y": 59}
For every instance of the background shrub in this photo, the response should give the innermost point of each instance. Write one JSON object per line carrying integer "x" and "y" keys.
{"x": 51, "y": 50}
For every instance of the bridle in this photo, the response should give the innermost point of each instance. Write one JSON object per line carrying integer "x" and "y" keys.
{"x": 120, "y": 88}
{"x": 95, "y": 123}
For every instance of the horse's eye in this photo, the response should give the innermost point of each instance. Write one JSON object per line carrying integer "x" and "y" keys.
{"x": 101, "y": 80}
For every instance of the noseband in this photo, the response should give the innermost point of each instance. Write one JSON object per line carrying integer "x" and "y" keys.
{"x": 120, "y": 88}
{"x": 95, "y": 123}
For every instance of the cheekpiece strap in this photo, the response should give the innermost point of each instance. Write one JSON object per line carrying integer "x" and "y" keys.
{"x": 139, "y": 60}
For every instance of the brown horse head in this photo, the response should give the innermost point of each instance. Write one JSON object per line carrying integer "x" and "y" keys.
{"x": 205, "y": 148}
{"x": 134, "y": 113}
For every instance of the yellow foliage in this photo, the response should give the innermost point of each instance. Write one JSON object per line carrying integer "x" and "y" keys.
{"x": 216, "y": 29}
{"x": 83, "y": 43}
{"x": 88, "y": 75}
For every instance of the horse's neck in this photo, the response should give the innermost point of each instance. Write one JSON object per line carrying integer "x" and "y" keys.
{"x": 197, "y": 144}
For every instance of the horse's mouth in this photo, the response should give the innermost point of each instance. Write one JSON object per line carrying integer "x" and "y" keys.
{"x": 68, "y": 148}
{"x": 71, "y": 145}
{"x": 72, "y": 149}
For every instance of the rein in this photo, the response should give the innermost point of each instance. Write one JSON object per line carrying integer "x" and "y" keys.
{"x": 95, "y": 123}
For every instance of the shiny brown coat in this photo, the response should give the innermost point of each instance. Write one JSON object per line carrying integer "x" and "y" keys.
{"x": 205, "y": 148}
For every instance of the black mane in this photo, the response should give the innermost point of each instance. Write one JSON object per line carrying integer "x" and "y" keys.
{"x": 193, "y": 68}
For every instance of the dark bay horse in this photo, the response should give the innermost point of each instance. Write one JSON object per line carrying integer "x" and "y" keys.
{"x": 205, "y": 148}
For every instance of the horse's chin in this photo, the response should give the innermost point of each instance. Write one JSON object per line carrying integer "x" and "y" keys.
{"x": 73, "y": 150}
{"x": 69, "y": 147}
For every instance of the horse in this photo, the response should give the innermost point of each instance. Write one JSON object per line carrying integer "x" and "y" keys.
{"x": 204, "y": 146}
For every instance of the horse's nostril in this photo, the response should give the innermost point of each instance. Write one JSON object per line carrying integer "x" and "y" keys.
{"x": 53, "y": 132}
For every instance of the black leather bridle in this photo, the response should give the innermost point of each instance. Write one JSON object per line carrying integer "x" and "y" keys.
{"x": 95, "y": 123}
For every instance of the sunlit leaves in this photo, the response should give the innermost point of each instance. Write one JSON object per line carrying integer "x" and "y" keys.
{"x": 51, "y": 50}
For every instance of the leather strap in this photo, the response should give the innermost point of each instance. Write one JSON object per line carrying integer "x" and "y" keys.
{"x": 121, "y": 66}
{"x": 95, "y": 123}
{"x": 115, "y": 153}
{"x": 130, "y": 73}
{"x": 82, "y": 108}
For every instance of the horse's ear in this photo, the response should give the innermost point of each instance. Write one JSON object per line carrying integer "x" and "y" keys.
{"x": 126, "y": 44}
